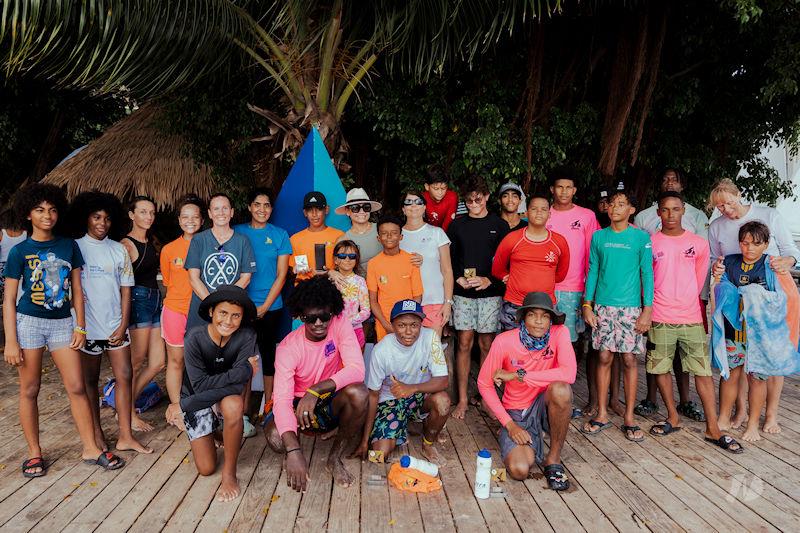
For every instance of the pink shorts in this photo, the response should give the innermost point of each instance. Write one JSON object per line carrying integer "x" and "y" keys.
{"x": 360, "y": 336}
{"x": 173, "y": 327}
{"x": 433, "y": 319}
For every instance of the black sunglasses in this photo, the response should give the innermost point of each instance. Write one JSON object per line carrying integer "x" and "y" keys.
{"x": 347, "y": 256}
{"x": 312, "y": 319}
{"x": 355, "y": 208}
{"x": 416, "y": 201}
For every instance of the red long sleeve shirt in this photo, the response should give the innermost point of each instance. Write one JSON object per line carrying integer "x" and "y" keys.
{"x": 531, "y": 266}
{"x": 441, "y": 214}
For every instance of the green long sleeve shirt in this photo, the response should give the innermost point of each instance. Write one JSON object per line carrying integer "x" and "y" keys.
{"x": 620, "y": 268}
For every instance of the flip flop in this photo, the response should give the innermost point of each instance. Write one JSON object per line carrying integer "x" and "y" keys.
{"x": 576, "y": 413}
{"x": 666, "y": 429}
{"x": 34, "y": 462}
{"x": 625, "y": 429}
{"x": 556, "y": 477}
{"x": 107, "y": 460}
{"x": 725, "y": 442}
{"x": 596, "y": 424}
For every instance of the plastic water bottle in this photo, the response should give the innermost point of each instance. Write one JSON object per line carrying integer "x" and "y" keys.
{"x": 483, "y": 474}
{"x": 422, "y": 465}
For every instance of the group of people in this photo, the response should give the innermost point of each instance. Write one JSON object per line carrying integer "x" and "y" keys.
{"x": 525, "y": 286}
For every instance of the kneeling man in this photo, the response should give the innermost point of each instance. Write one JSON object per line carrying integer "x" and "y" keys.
{"x": 219, "y": 361}
{"x": 537, "y": 364}
{"x": 319, "y": 382}
{"x": 407, "y": 381}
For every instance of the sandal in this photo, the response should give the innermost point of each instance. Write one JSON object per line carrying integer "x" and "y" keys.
{"x": 595, "y": 424}
{"x": 556, "y": 477}
{"x": 725, "y": 442}
{"x": 629, "y": 431}
{"x": 690, "y": 410}
{"x": 34, "y": 462}
{"x": 645, "y": 408}
{"x": 663, "y": 428}
{"x": 107, "y": 460}
{"x": 576, "y": 413}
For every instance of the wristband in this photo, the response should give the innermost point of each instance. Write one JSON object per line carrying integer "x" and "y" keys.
{"x": 292, "y": 450}
{"x": 587, "y": 304}
{"x": 314, "y": 393}
{"x": 78, "y": 329}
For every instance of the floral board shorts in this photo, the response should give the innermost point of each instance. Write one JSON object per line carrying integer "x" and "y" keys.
{"x": 477, "y": 314}
{"x": 393, "y": 416}
{"x": 201, "y": 423}
{"x": 569, "y": 303}
{"x": 614, "y": 331}
{"x": 737, "y": 352}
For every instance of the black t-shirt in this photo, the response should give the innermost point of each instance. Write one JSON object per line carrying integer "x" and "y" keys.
{"x": 213, "y": 373}
{"x": 473, "y": 243}
{"x": 740, "y": 273}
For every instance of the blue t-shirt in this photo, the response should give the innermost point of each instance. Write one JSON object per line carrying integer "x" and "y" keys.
{"x": 43, "y": 268}
{"x": 219, "y": 264}
{"x": 268, "y": 244}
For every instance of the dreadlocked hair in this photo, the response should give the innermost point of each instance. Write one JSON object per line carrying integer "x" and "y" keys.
{"x": 317, "y": 292}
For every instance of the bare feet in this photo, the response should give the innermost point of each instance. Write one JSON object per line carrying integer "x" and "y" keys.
{"x": 330, "y": 434}
{"x": 133, "y": 444}
{"x": 228, "y": 490}
{"x": 341, "y": 475}
{"x": 616, "y": 407}
{"x": 430, "y": 453}
{"x": 460, "y": 410}
{"x": 137, "y": 424}
{"x": 771, "y": 426}
{"x": 751, "y": 434}
{"x": 590, "y": 410}
{"x": 738, "y": 419}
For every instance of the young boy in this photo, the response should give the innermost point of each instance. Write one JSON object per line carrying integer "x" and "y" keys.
{"x": 407, "y": 381}
{"x": 764, "y": 341}
{"x": 220, "y": 361}
{"x": 305, "y": 242}
{"x": 391, "y": 275}
{"x": 512, "y": 205}
{"x": 620, "y": 283}
{"x": 440, "y": 203}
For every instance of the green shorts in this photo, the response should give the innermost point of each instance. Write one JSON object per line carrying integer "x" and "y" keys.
{"x": 688, "y": 339}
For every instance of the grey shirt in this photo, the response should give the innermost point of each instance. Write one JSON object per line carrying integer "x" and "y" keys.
{"x": 368, "y": 246}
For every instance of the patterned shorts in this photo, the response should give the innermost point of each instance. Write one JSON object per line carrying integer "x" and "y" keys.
{"x": 689, "y": 340}
{"x": 34, "y": 332}
{"x": 393, "y": 416}
{"x": 508, "y": 316}
{"x": 477, "y": 314}
{"x": 201, "y": 423}
{"x": 737, "y": 352}
{"x": 97, "y": 347}
{"x": 615, "y": 331}
{"x": 569, "y": 303}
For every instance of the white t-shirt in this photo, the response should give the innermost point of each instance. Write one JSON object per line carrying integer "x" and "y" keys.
{"x": 413, "y": 364}
{"x": 426, "y": 241}
{"x": 694, "y": 220}
{"x": 723, "y": 234}
{"x": 107, "y": 268}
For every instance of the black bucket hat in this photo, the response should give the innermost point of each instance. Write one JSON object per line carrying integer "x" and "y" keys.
{"x": 229, "y": 293}
{"x": 540, "y": 300}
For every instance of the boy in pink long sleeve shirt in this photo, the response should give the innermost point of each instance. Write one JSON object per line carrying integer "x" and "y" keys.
{"x": 537, "y": 364}
{"x": 319, "y": 382}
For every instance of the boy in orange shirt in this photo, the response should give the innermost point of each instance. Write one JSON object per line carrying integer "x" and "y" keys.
{"x": 304, "y": 243}
{"x": 391, "y": 276}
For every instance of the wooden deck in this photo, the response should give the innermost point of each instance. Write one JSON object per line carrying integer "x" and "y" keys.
{"x": 671, "y": 483}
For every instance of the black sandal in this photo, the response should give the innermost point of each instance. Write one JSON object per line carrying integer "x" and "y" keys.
{"x": 665, "y": 429}
{"x": 725, "y": 442}
{"x": 690, "y": 410}
{"x": 107, "y": 460}
{"x": 625, "y": 429}
{"x": 556, "y": 477}
{"x": 645, "y": 408}
{"x": 34, "y": 462}
{"x": 600, "y": 426}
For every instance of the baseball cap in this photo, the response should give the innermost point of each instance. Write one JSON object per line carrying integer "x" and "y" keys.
{"x": 407, "y": 307}
{"x": 315, "y": 199}
{"x": 511, "y": 186}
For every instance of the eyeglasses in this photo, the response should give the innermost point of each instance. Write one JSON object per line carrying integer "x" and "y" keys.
{"x": 312, "y": 319}
{"x": 415, "y": 201}
{"x": 475, "y": 200}
{"x": 346, "y": 256}
{"x": 355, "y": 208}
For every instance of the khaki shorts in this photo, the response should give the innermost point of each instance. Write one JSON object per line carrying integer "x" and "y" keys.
{"x": 690, "y": 342}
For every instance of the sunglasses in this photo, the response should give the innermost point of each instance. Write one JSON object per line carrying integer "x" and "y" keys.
{"x": 312, "y": 319}
{"x": 355, "y": 208}
{"x": 346, "y": 256}
{"x": 416, "y": 201}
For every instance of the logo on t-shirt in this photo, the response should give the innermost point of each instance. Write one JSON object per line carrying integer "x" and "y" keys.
{"x": 424, "y": 369}
{"x": 383, "y": 279}
{"x": 689, "y": 252}
{"x": 550, "y": 257}
{"x": 744, "y": 279}
{"x": 330, "y": 348}
{"x": 220, "y": 268}
{"x": 178, "y": 261}
{"x": 268, "y": 241}
{"x": 49, "y": 280}
{"x": 576, "y": 225}
{"x": 547, "y": 353}
{"x": 434, "y": 215}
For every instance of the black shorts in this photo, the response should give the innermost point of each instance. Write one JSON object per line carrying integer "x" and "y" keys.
{"x": 266, "y": 329}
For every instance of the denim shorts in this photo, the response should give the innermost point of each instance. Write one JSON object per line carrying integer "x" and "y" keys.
{"x": 34, "y": 332}
{"x": 145, "y": 308}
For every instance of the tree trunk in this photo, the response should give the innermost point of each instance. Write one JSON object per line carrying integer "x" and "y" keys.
{"x": 531, "y": 95}
{"x": 44, "y": 161}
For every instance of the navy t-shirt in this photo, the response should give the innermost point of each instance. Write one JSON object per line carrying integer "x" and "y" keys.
{"x": 43, "y": 268}
{"x": 740, "y": 273}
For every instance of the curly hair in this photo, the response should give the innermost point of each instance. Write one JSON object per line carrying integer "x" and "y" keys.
{"x": 90, "y": 202}
{"x": 30, "y": 196}
{"x": 474, "y": 184}
{"x": 317, "y": 292}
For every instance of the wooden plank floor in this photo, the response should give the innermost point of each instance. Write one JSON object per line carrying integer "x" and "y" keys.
{"x": 672, "y": 483}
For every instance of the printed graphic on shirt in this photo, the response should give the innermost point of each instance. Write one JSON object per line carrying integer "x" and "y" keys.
{"x": 689, "y": 252}
{"x": 221, "y": 268}
{"x": 550, "y": 257}
{"x": 330, "y": 348}
{"x": 49, "y": 280}
{"x": 576, "y": 225}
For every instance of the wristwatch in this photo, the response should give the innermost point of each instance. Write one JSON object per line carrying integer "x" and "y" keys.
{"x": 521, "y": 374}
{"x": 449, "y": 301}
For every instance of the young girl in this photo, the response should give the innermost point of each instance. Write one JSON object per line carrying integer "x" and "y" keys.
{"x": 11, "y": 234}
{"x": 145, "y": 323}
{"x": 346, "y": 258}
{"x": 106, "y": 279}
{"x": 179, "y": 294}
{"x": 45, "y": 266}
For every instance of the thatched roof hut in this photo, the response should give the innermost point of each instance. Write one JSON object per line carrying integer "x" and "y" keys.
{"x": 134, "y": 157}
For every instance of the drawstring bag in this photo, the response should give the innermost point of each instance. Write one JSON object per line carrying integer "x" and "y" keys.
{"x": 149, "y": 397}
{"x": 412, "y": 480}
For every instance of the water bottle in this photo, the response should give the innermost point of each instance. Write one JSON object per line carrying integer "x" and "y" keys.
{"x": 422, "y": 465}
{"x": 483, "y": 474}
